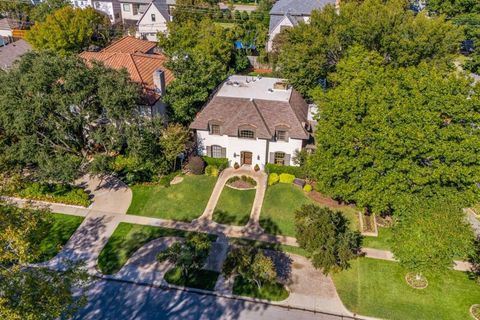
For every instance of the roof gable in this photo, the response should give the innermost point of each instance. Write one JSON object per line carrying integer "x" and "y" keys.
{"x": 298, "y": 7}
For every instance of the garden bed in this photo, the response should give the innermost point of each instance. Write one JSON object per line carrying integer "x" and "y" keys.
{"x": 475, "y": 311}
{"x": 199, "y": 279}
{"x": 52, "y": 192}
{"x": 242, "y": 183}
{"x": 269, "y": 291}
{"x": 368, "y": 224}
{"x": 234, "y": 206}
{"x": 416, "y": 281}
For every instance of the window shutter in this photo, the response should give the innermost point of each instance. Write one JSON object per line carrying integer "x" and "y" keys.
{"x": 209, "y": 151}
{"x": 287, "y": 159}
{"x": 224, "y": 152}
{"x": 272, "y": 157}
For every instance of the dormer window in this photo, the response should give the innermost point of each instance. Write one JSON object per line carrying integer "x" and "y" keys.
{"x": 246, "y": 134}
{"x": 215, "y": 128}
{"x": 282, "y": 135}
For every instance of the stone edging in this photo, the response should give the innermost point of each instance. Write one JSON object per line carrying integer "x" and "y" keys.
{"x": 370, "y": 234}
{"x": 240, "y": 189}
{"x": 471, "y": 311}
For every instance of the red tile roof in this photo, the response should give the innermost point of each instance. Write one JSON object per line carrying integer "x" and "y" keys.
{"x": 135, "y": 56}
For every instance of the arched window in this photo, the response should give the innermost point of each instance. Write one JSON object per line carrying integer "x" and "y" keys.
{"x": 216, "y": 152}
{"x": 279, "y": 158}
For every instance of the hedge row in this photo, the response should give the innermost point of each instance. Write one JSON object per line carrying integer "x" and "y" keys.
{"x": 279, "y": 169}
{"x": 220, "y": 163}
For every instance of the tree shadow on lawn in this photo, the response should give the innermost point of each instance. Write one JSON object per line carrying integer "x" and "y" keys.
{"x": 225, "y": 217}
{"x": 269, "y": 226}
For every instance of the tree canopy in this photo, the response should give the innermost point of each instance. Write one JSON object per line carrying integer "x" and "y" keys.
{"x": 56, "y": 110}
{"x": 201, "y": 55}
{"x": 385, "y": 134}
{"x": 309, "y": 52}
{"x": 33, "y": 292}
{"x": 70, "y": 30}
{"x": 43, "y": 9}
{"x": 429, "y": 235}
{"x": 326, "y": 236}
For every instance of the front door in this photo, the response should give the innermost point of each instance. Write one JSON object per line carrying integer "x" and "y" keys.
{"x": 246, "y": 157}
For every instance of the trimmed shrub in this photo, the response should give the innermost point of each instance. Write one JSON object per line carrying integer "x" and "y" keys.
{"x": 220, "y": 163}
{"x": 307, "y": 188}
{"x": 211, "y": 170}
{"x": 286, "y": 178}
{"x": 53, "y": 192}
{"x": 273, "y": 179}
{"x": 279, "y": 169}
{"x": 256, "y": 168}
{"x": 196, "y": 165}
{"x": 236, "y": 165}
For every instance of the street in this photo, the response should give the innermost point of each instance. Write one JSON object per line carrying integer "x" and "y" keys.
{"x": 125, "y": 301}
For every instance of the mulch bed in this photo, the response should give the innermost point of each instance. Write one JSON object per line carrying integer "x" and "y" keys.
{"x": 420, "y": 283}
{"x": 368, "y": 223}
{"x": 240, "y": 184}
{"x": 324, "y": 200}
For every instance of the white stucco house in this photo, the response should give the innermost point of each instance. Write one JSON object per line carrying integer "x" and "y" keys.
{"x": 111, "y": 8}
{"x": 155, "y": 19}
{"x": 133, "y": 10}
{"x": 289, "y": 13}
{"x": 253, "y": 120}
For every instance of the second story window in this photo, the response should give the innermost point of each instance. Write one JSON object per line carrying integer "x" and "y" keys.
{"x": 126, "y": 7}
{"x": 246, "y": 134}
{"x": 282, "y": 135}
{"x": 153, "y": 17}
{"x": 215, "y": 129}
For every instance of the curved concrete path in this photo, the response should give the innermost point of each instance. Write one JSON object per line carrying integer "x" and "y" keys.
{"x": 259, "y": 176}
{"x": 143, "y": 265}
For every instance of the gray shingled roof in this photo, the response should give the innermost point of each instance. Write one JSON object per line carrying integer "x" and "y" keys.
{"x": 264, "y": 115}
{"x": 298, "y": 7}
{"x": 12, "y": 51}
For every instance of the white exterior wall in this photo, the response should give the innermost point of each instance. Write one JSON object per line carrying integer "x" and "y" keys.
{"x": 128, "y": 15}
{"x": 148, "y": 28}
{"x": 110, "y": 8}
{"x": 258, "y": 147}
{"x": 81, "y": 3}
{"x": 288, "y": 147}
{"x": 234, "y": 146}
{"x": 285, "y": 23}
{"x": 6, "y": 33}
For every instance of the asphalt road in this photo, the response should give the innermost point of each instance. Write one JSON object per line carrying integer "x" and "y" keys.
{"x": 124, "y": 301}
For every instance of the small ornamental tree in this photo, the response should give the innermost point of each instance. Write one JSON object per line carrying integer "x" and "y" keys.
{"x": 429, "y": 234}
{"x": 325, "y": 235}
{"x": 173, "y": 140}
{"x": 189, "y": 255}
{"x": 250, "y": 264}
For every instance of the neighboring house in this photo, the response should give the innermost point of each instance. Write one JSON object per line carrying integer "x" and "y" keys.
{"x": 133, "y": 10}
{"x": 253, "y": 120}
{"x": 7, "y": 26}
{"x": 111, "y": 8}
{"x": 145, "y": 66}
{"x": 11, "y": 52}
{"x": 155, "y": 19}
{"x": 289, "y": 13}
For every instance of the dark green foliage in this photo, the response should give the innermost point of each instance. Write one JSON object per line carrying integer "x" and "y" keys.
{"x": 310, "y": 52}
{"x": 220, "y": 163}
{"x": 269, "y": 291}
{"x": 195, "y": 165}
{"x": 386, "y": 133}
{"x": 41, "y": 10}
{"x": 64, "y": 111}
{"x": 473, "y": 64}
{"x": 326, "y": 236}
{"x": 429, "y": 235}
{"x": 298, "y": 172}
{"x": 452, "y": 8}
{"x": 200, "y": 279}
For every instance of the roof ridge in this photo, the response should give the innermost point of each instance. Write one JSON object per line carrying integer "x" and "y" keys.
{"x": 261, "y": 116}
{"x": 130, "y": 55}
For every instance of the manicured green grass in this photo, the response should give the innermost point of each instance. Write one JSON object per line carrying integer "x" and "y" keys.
{"x": 184, "y": 201}
{"x": 279, "y": 206}
{"x": 269, "y": 291}
{"x": 377, "y": 288}
{"x": 270, "y": 246}
{"x": 61, "y": 230}
{"x": 127, "y": 239}
{"x": 234, "y": 206}
{"x": 380, "y": 242}
{"x": 200, "y": 279}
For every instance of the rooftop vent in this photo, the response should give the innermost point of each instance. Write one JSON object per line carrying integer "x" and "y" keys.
{"x": 280, "y": 85}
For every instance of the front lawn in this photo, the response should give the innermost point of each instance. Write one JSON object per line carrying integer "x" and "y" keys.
{"x": 234, "y": 206}
{"x": 184, "y": 201}
{"x": 61, "y": 230}
{"x": 200, "y": 279}
{"x": 127, "y": 239}
{"x": 377, "y": 288}
{"x": 381, "y": 242}
{"x": 269, "y": 291}
{"x": 279, "y": 206}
